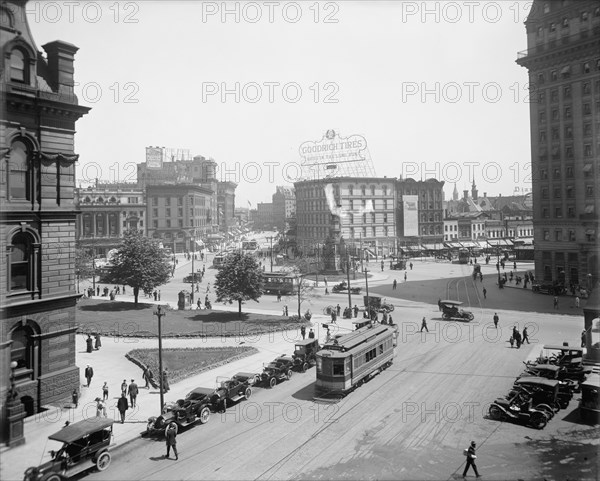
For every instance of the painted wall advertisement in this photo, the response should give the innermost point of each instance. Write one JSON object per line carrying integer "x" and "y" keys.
{"x": 154, "y": 158}
{"x": 411, "y": 215}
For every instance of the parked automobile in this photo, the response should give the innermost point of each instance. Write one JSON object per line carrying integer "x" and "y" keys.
{"x": 196, "y": 406}
{"x": 451, "y": 311}
{"x": 589, "y": 406}
{"x": 547, "y": 391}
{"x": 193, "y": 277}
{"x": 343, "y": 287}
{"x": 278, "y": 370}
{"x": 519, "y": 412}
{"x": 231, "y": 390}
{"x": 378, "y": 304}
{"x": 85, "y": 445}
{"x": 554, "y": 288}
{"x": 305, "y": 354}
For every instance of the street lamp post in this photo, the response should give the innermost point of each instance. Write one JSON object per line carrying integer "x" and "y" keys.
{"x": 94, "y": 275}
{"x": 367, "y": 289}
{"x": 348, "y": 278}
{"x": 318, "y": 264}
{"x": 193, "y": 271}
{"x": 160, "y": 314}
{"x": 271, "y": 252}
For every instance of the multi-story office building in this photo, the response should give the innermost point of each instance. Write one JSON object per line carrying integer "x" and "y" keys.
{"x": 284, "y": 207}
{"x": 429, "y": 197}
{"x": 180, "y": 215}
{"x": 264, "y": 216}
{"x": 563, "y": 62}
{"x": 106, "y": 212}
{"x": 37, "y": 223}
{"x": 226, "y": 205}
{"x": 359, "y": 210}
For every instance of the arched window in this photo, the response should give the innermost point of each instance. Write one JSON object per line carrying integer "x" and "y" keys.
{"x": 22, "y": 259}
{"x": 19, "y": 68}
{"x": 20, "y": 179}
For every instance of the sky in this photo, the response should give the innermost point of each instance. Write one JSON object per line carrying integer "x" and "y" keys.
{"x": 432, "y": 87}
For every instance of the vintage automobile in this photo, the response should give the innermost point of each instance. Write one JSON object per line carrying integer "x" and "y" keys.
{"x": 85, "y": 445}
{"x": 556, "y": 354}
{"x": 589, "y": 406}
{"x": 547, "y": 391}
{"x": 378, "y": 304}
{"x": 197, "y": 405}
{"x": 343, "y": 287}
{"x": 519, "y": 411}
{"x": 278, "y": 370}
{"x": 305, "y": 354}
{"x": 571, "y": 378}
{"x": 193, "y": 277}
{"x": 230, "y": 390}
{"x": 451, "y": 311}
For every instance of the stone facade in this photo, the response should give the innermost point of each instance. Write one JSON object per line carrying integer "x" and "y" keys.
{"x": 37, "y": 225}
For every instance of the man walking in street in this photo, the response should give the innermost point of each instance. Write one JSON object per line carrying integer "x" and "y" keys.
{"x": 122, "y": 406}
{"x": 484, "y": 293}
{"x": 338, "y": 309}
{"x": 525, "y": 336}
{"x": 303, "y": 332}
{"x": 394, "y": 284}
{"x": 133, "y": 390}
{"x": 424, "y": 325}
{"x": 105, "y": 391}
{"x": 496, "y": 319}
{"x": 147, "y": 376}
{"x": 555, "y": 302}
{"x": 171, "y": 439}
{"x": 89, "y": 374}
{"x": 471, "y": 457}
{"x": 355, "y": 309}
{"x": 404, "y": 276}
{"x": 124, "y": 387}
{"x": 583, "y": 338}
{"x": 311, "y": 334}
{"x": 577, "y": 302}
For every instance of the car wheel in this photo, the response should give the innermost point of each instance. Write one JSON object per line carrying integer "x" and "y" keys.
{"x": 547, "y": 409}
{"x": 305, "y": 367}
{"x": 248, "y": 393}
{"x": 204, "y": 415}
{"x": 289, "y": 374}
{"x": 496, "y": 412}
{"x": 103, "y": 461}
{"x": 470, "y": 316}
{"x": 538, "y": 420}
{"x": 272, "y": 382}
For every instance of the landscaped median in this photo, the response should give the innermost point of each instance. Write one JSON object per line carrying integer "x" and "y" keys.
{"x": 125, "y": 319}
{"x": 186, "y": 362}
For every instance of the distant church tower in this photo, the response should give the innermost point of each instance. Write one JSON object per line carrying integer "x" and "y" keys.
{"x": 455, "y": 193}
{"x": 474, "y": 191}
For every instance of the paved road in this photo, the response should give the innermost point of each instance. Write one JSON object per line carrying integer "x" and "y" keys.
{"x": 410, "y": 422}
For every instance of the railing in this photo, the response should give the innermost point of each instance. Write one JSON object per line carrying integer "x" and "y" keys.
{"x": 551, "y": 44}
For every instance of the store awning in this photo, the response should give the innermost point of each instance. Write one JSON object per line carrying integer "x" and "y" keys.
{"x": 524, "y": 241}
{"x": 199, "y": 243}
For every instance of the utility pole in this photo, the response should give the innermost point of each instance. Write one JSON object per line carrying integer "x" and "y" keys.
{"x": 318, "y": 264}
{"x": 348, "y": 278}
{"x": 160, "y": 314}
{"x": 271, "y": 251}
{"x": 193, "y": 271}
{"x": 368, "y": 306}
{"x": 361, "y": 253}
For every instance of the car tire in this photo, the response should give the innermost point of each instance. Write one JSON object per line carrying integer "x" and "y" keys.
{"x": 305, "y": 367}
{"x": 470, "y": 317}
{"x": 496, "y": 412}
{"x": 289, "y": 374}
{"x": 272, "y": 382}
{"x": 248, "y": 393}
{"x": 547, "y": 409}
{"x": 204, "y": 415}
{"x": 538, "y": 420}
{"x": 103, "y": 461}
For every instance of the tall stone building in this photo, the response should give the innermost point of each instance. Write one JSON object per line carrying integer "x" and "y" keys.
{"x": 226, "y": 205}
{"x": 284, "y": 207}
{"x": 563, "y": 61}
{"x": 37, "y": 224}
{"x": 429, "y": 196}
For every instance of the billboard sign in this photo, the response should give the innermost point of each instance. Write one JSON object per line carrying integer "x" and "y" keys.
{"x": 154, "y": 158}
{"x": 411, "y": 215}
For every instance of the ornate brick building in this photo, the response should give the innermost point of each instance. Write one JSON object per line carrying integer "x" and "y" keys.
{"x": 37, "y": 224}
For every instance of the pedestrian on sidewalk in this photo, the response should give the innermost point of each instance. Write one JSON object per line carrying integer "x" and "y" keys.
{"x": 577, "y": 302}
{"x": 89, "y": 374}
{"x": 171, "y": 440}
{"x": 411, "y": 266}
{"x": 394, "y": 284}
{"x": 326, "y": 291}
{"x": 303, "y": 332}
{"x": 555, "y": 302}
{"x": 89, "y": 344}
{"x": 124, "y": 387}
{"x": 123, "y": 289}
{"x": 484, "y": 293}
{"x": 311, "y": 334}
{"x": 424, "y": 325}
{"x": 382, "y": 266}
{"x": 133, "y": 391}
{"x": 122, "y": 406}
{"x": 338, "y": 309}
{"x": 105, "y": 391}
{"x": 165, "y": 381}
{"x": 98, "y": 343}
{"x": 147, "y": 377}
{"x": 405, "y": 276}
{"x": 496, "y": 319}
{"x": 75, "y": 397}
{"x": 471, "y": 457}
{"x": 278, "y": 296}
{"x": 159, "y": 294}
{"x": 355, "y": 309}
{"x": 583, "y": 338}
{"x": 525, "y": 336}
{"x": 100, "y": 408}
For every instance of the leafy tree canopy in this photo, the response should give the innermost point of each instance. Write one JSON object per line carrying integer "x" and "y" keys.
{"x": 239, "y": 279}
{"x": 139, "y": 263}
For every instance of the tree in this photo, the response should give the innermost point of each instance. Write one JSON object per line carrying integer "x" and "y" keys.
{"x": 139, "y": 263}
{"x": 239, "y": 279}
{"x": 84, "y": 263}
{"x": 303, "y": 289}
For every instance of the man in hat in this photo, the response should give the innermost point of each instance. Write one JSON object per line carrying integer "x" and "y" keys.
{"x": 171, "y": 439}
{"x": 122, "y": 406}
{"x": 471, "y": 460}
{"x": 89, "y": 374}
{"x": 132, "y": 390}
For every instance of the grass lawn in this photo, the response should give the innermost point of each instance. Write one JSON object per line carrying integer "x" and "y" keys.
{"x": 182, "y": 363}
{"x": 115, "y": 318}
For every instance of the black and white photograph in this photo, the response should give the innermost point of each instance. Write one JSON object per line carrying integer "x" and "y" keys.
{"x": 299, "y": 240}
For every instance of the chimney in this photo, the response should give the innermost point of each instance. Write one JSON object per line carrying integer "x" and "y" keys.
{"x": 465, "y": 194}
{"x": 485, "y": 194}
{"x": 60, "y": 57}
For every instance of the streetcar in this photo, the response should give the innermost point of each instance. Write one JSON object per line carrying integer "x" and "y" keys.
{"x": 347, "y": 361}
{"x": 279, "y": 282}
{"x": 463, "y": 255}
{"x": 218, "y": 260}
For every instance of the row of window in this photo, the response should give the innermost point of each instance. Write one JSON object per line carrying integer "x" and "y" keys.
{"x": 565, "y": 73}
{"x": 571, "y": 211}
{"x": 588, "y": 172}
{"x": 569, "y": 235}
{"x": 557, "y": 192}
